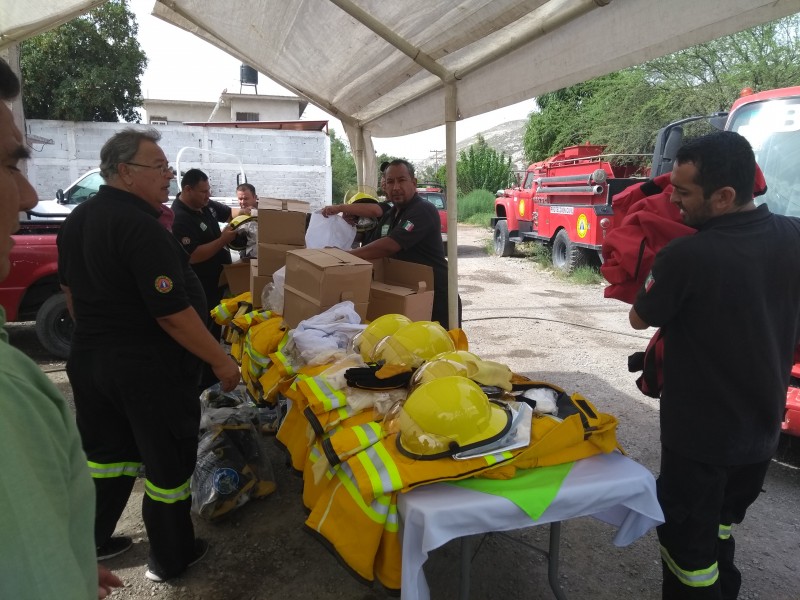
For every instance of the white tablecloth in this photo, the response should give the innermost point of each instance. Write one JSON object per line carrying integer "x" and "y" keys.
{"x": 609, "y": 487}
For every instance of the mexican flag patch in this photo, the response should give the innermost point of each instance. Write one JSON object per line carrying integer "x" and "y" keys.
{"x": 407, "y": 225}
{"x": 648, "y": 283}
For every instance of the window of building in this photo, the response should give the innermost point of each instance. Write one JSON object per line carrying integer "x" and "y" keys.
{"x": 247, "y": 116}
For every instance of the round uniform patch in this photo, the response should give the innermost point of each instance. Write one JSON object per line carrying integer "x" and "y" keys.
{"x": 225, "y": 481}
{"x": 163, "y": 284}
{"x": 186, "y": 241}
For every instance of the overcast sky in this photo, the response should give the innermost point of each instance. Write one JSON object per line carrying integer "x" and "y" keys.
{"x": 181, "y": 66}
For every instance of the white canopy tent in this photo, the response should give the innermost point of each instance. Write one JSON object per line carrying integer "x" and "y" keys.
{"x": 387, "y": 69}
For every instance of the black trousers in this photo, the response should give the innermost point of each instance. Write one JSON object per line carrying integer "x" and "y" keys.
{"x": 213, "y": 298}
{"x": 133, "y": 408}
{"x": 441, "y": 313}
{"x": 700, "y": 503}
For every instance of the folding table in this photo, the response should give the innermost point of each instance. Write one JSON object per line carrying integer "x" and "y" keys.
{"x": 609, "y": 487}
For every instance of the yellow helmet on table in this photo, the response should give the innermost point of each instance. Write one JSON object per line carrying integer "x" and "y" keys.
{"x": 384, "y": 326}
{"x": 413, "y": 344}
{"x": 449, "y": 415}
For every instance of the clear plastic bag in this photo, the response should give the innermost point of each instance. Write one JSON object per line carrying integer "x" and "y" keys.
{"x": 232, "y": 461}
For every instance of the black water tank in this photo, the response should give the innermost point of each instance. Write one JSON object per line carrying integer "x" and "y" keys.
{"x": 248, "y": 75}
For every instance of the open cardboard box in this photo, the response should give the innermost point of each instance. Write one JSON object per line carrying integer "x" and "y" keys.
{"x": 282, "y": 221}
{"x": 257, "y": 283}
{"x": 401, "y": 287}
{"x": 317, "y": 279}
{"x": 236, "y": 277}
{"x": 272, "y": 257}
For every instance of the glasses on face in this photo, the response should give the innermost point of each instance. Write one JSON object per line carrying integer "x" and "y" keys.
{"x": 163, "y": 169}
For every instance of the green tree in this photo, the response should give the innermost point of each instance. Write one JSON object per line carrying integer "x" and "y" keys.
{"x": 343, "y": 169}
{"x": 88, "y": 69}
{"x": 481, "y": 167}
{"x": 431, "y": 173}
{"x": 624, "y": 110}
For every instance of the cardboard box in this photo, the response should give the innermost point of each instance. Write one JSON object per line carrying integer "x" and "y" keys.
{"x": 317, "y": 279}
{"x": 401, "y": 287}
{"x": 282, "y": 221}
{"x": 257, "y": 284}
{"x": 236, "y": 277}
{"x": 272, "y": 257}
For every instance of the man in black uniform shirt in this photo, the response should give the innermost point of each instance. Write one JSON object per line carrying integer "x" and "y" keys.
{"x": 408, "y": 229}
{"x": 196, "y": 227}
{"x": 730, "y": 319}
{"x": 136, "y": 351}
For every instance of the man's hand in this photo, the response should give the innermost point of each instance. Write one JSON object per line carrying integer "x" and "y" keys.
{"x": 228, "y": 373}
{"x": 227, "y": 235}
{"x": 331, "y": 210}
{"x": 106, "y": 580}
{"x": 636, "y": 321}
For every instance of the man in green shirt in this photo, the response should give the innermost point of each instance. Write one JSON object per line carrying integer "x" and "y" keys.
{"x": 46, "y": 495}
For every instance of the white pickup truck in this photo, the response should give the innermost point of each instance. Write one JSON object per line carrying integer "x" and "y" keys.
{"x": 89, "y": 183}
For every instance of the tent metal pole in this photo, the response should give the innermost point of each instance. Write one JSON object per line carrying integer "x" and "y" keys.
{"x": 451, "y": 116}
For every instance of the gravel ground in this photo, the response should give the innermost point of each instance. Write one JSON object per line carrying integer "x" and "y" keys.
{"x": 546, "y": 328}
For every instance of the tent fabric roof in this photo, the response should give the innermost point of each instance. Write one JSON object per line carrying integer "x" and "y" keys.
{"x": 383, "y": 66}
{"x": 21, "y": 20}
{"x": 364, "y": 61}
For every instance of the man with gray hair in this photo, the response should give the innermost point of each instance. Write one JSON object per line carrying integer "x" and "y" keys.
{"x": 137, "y": 349}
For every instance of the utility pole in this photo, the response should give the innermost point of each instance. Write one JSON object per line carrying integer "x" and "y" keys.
{"x": 436, "y": 154}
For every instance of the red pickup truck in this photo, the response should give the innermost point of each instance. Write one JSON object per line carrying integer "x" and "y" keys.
{"x": 31, "y": 290}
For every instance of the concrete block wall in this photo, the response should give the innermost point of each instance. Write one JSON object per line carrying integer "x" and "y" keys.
{"x": 279, "y": 163}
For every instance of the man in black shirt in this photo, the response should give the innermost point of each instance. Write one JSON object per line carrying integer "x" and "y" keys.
{"x": 136, "y": 351}
{"x": 196, "y": 227}
{"x": 409, "y": 229}
{"x": 727, "y": 300}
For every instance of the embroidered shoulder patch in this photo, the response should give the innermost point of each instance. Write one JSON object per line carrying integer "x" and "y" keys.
{"x": 407, "y": 225}
{"x": 163, "y": 284}
{"x": 186, "y": 241}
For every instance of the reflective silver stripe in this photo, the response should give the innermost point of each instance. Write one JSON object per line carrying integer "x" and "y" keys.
{"x": 380, "y": 469}
{"x": 700, "y": 578}
{"x": 724, "y": 532}
{"x": 368, "y": 434}
{"x": 167, "y": 496}
{"x": 110, "y": 470}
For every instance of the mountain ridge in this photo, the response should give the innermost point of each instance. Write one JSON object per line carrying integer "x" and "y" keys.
{"x": 505, "y": 138}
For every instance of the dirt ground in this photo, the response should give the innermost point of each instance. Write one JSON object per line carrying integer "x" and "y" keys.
{"x": 549, "y": 329}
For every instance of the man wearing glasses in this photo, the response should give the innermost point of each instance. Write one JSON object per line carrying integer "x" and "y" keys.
{"x": 139, "y": 341}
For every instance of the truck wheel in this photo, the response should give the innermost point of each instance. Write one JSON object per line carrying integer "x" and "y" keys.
{"x": 54, "y": 326}
{"x": 502, "y": 247}
{"x": 567, "y": 256}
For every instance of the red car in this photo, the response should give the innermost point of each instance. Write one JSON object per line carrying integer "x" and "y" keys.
{"x": 436, "y": 195}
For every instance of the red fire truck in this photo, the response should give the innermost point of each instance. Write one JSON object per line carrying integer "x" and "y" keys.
{"x": 564, "y": 201}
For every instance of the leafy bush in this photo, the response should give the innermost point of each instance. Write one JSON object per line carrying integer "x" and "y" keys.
{"x": 474, "y": 203}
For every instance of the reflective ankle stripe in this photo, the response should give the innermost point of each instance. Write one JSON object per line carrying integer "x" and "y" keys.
{"x": 109, "y": 470}
{"x": 724, "y": 531}
{"x": 700, "y": 578}
{"x": 167, "y": 496}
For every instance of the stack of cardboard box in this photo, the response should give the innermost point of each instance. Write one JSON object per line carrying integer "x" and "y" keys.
{"x": 281, "y": 228}
{"x": 317, "y": 279}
